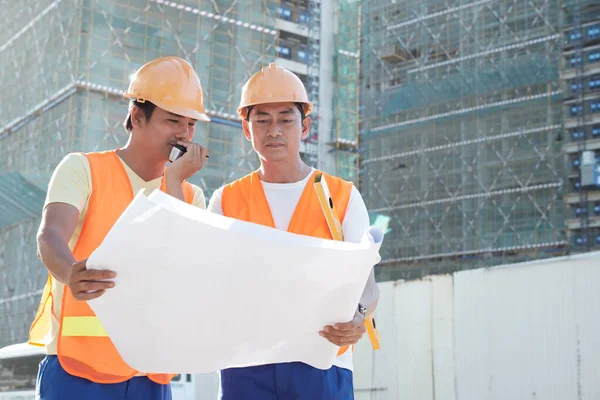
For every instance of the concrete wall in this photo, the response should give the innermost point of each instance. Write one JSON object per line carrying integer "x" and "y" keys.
{"x": 523, "y": 331}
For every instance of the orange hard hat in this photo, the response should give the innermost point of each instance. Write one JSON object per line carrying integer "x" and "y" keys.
{"x": 273, "y": 84}
{"x": 171, "y": 84}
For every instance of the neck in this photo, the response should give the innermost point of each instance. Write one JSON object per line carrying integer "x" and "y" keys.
{"x": 141, "y": 162}
{"x": 283, "y": 171}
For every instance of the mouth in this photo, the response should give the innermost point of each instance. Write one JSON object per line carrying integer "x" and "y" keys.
{"x": 274, "y": 145}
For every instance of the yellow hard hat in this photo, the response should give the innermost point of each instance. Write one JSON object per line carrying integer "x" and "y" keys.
{"x": 273, "y": 84}
{"x": 171, "y": 84}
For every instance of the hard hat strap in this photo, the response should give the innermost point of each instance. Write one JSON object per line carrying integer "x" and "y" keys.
{"x": 248, "y": 109}
{"x": 301, "y": 108}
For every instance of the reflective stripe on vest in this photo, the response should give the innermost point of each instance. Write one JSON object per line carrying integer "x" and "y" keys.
{"x": 82, "y": 326}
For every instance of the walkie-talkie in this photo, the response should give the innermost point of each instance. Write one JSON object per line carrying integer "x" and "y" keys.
{"x": 177, "y": 151}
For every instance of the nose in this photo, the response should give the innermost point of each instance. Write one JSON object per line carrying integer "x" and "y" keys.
{"x": 274, "y": 131}
{"x": 184, "y": 133}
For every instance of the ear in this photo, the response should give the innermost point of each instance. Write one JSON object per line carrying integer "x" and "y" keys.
{"x": 138, "y": 119}
{"x": 306, "y": 127}
{"x": 246, "y": 128}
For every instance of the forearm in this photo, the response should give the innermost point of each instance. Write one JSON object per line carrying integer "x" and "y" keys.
{"x": 55, "y": 255}
{"x": 370, "y": 296}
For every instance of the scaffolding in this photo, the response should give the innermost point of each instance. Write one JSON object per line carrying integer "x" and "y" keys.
{"x": 65, "y": 65}
{"x": 461, "y": 119}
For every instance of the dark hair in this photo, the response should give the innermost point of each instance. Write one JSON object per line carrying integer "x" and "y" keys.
{"x": 147, "y": 107}
{"x": 299, "y": 105}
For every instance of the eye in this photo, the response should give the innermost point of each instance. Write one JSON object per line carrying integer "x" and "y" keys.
{"x": 262, "y": 121}
{"x": 287, "y": 121}
{"x": 175, "y": 121}
{"x": 192, "y": 124}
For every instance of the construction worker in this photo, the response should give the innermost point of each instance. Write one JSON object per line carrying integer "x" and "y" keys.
{"x": 86, "y": 195}
{"x": 274, "y": 110}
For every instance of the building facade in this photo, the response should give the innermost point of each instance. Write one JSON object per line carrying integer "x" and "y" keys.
{"x": 463, "y": 130}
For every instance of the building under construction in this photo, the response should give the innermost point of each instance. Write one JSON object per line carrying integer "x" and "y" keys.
{"x": 462, "y": 130}
{"x": 66, "y": 63}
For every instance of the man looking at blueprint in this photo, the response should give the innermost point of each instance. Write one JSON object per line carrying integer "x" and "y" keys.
{"x": 86, "y": 195}
{"x": 274, "y": 109}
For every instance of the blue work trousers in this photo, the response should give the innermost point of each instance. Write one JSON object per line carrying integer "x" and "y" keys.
{"x": 286, "y": 381}
{"x": 54, "y": 383}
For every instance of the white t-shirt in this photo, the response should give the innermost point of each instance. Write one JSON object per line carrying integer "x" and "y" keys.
{"x": 283, "y": 198}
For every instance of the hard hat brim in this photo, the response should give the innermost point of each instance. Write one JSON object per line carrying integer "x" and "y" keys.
{"x": 186, "y": 112}
{"x": 242, "y": 110}
{"x": 183, "y": 111}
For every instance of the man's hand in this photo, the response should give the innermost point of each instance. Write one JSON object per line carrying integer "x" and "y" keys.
{"x": 87, "y": 284}
{"x": 189, "y": 163}
{"x": 345, "y": 334}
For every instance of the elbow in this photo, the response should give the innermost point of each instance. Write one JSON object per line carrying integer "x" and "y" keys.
{"x": 40, "y": 238}
{"x": 371, "y": 294}
{"x": 43, "y": 240}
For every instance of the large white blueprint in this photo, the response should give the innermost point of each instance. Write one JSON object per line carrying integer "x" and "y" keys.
{"x": 197, "y": 292}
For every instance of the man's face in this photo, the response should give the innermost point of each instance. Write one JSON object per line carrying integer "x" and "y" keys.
{"x": 163, "y": 130}
{"x": 276, "y": 130}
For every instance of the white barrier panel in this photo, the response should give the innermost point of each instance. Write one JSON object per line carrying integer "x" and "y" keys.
{"x": 523, "y": 331}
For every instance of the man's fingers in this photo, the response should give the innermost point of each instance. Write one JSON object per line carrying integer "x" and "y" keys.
{"x": 200, "y": 152}
{"x": 340, "y": 337}
{"x": 342, "y": 340}
{"x": 97, "y": 275}
{"x": 345, "y": 334}
{"x": 79, "y": 270}
{"x": 83, "y": 296}
{"x": 87, "y": 286}
{"x": 195, "y": 150}
{"x": 346, "y": 326}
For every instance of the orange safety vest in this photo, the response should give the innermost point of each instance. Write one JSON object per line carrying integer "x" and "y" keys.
{"x": 84, "y": 348}
{"x": 245, "y": 199}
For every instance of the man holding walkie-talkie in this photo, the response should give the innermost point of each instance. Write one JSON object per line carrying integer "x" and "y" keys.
{"x": 86, "y": 195}
{"x": 287, "y": 194}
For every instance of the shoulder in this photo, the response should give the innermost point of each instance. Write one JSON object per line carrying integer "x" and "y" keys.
{"x": 356, "y": 221}
{"x": 238, "y": 183}
{"x": 214, "y": 204}
{"x": 74, "y": 168}
{"x": 70, "y": 182}
{"x": 335, "y": 179}
{"x": 239, "y": 188}
{"x": 338, "y": 187}
{"x": 356, "y": 204}
{"x": 74, "y": 161}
